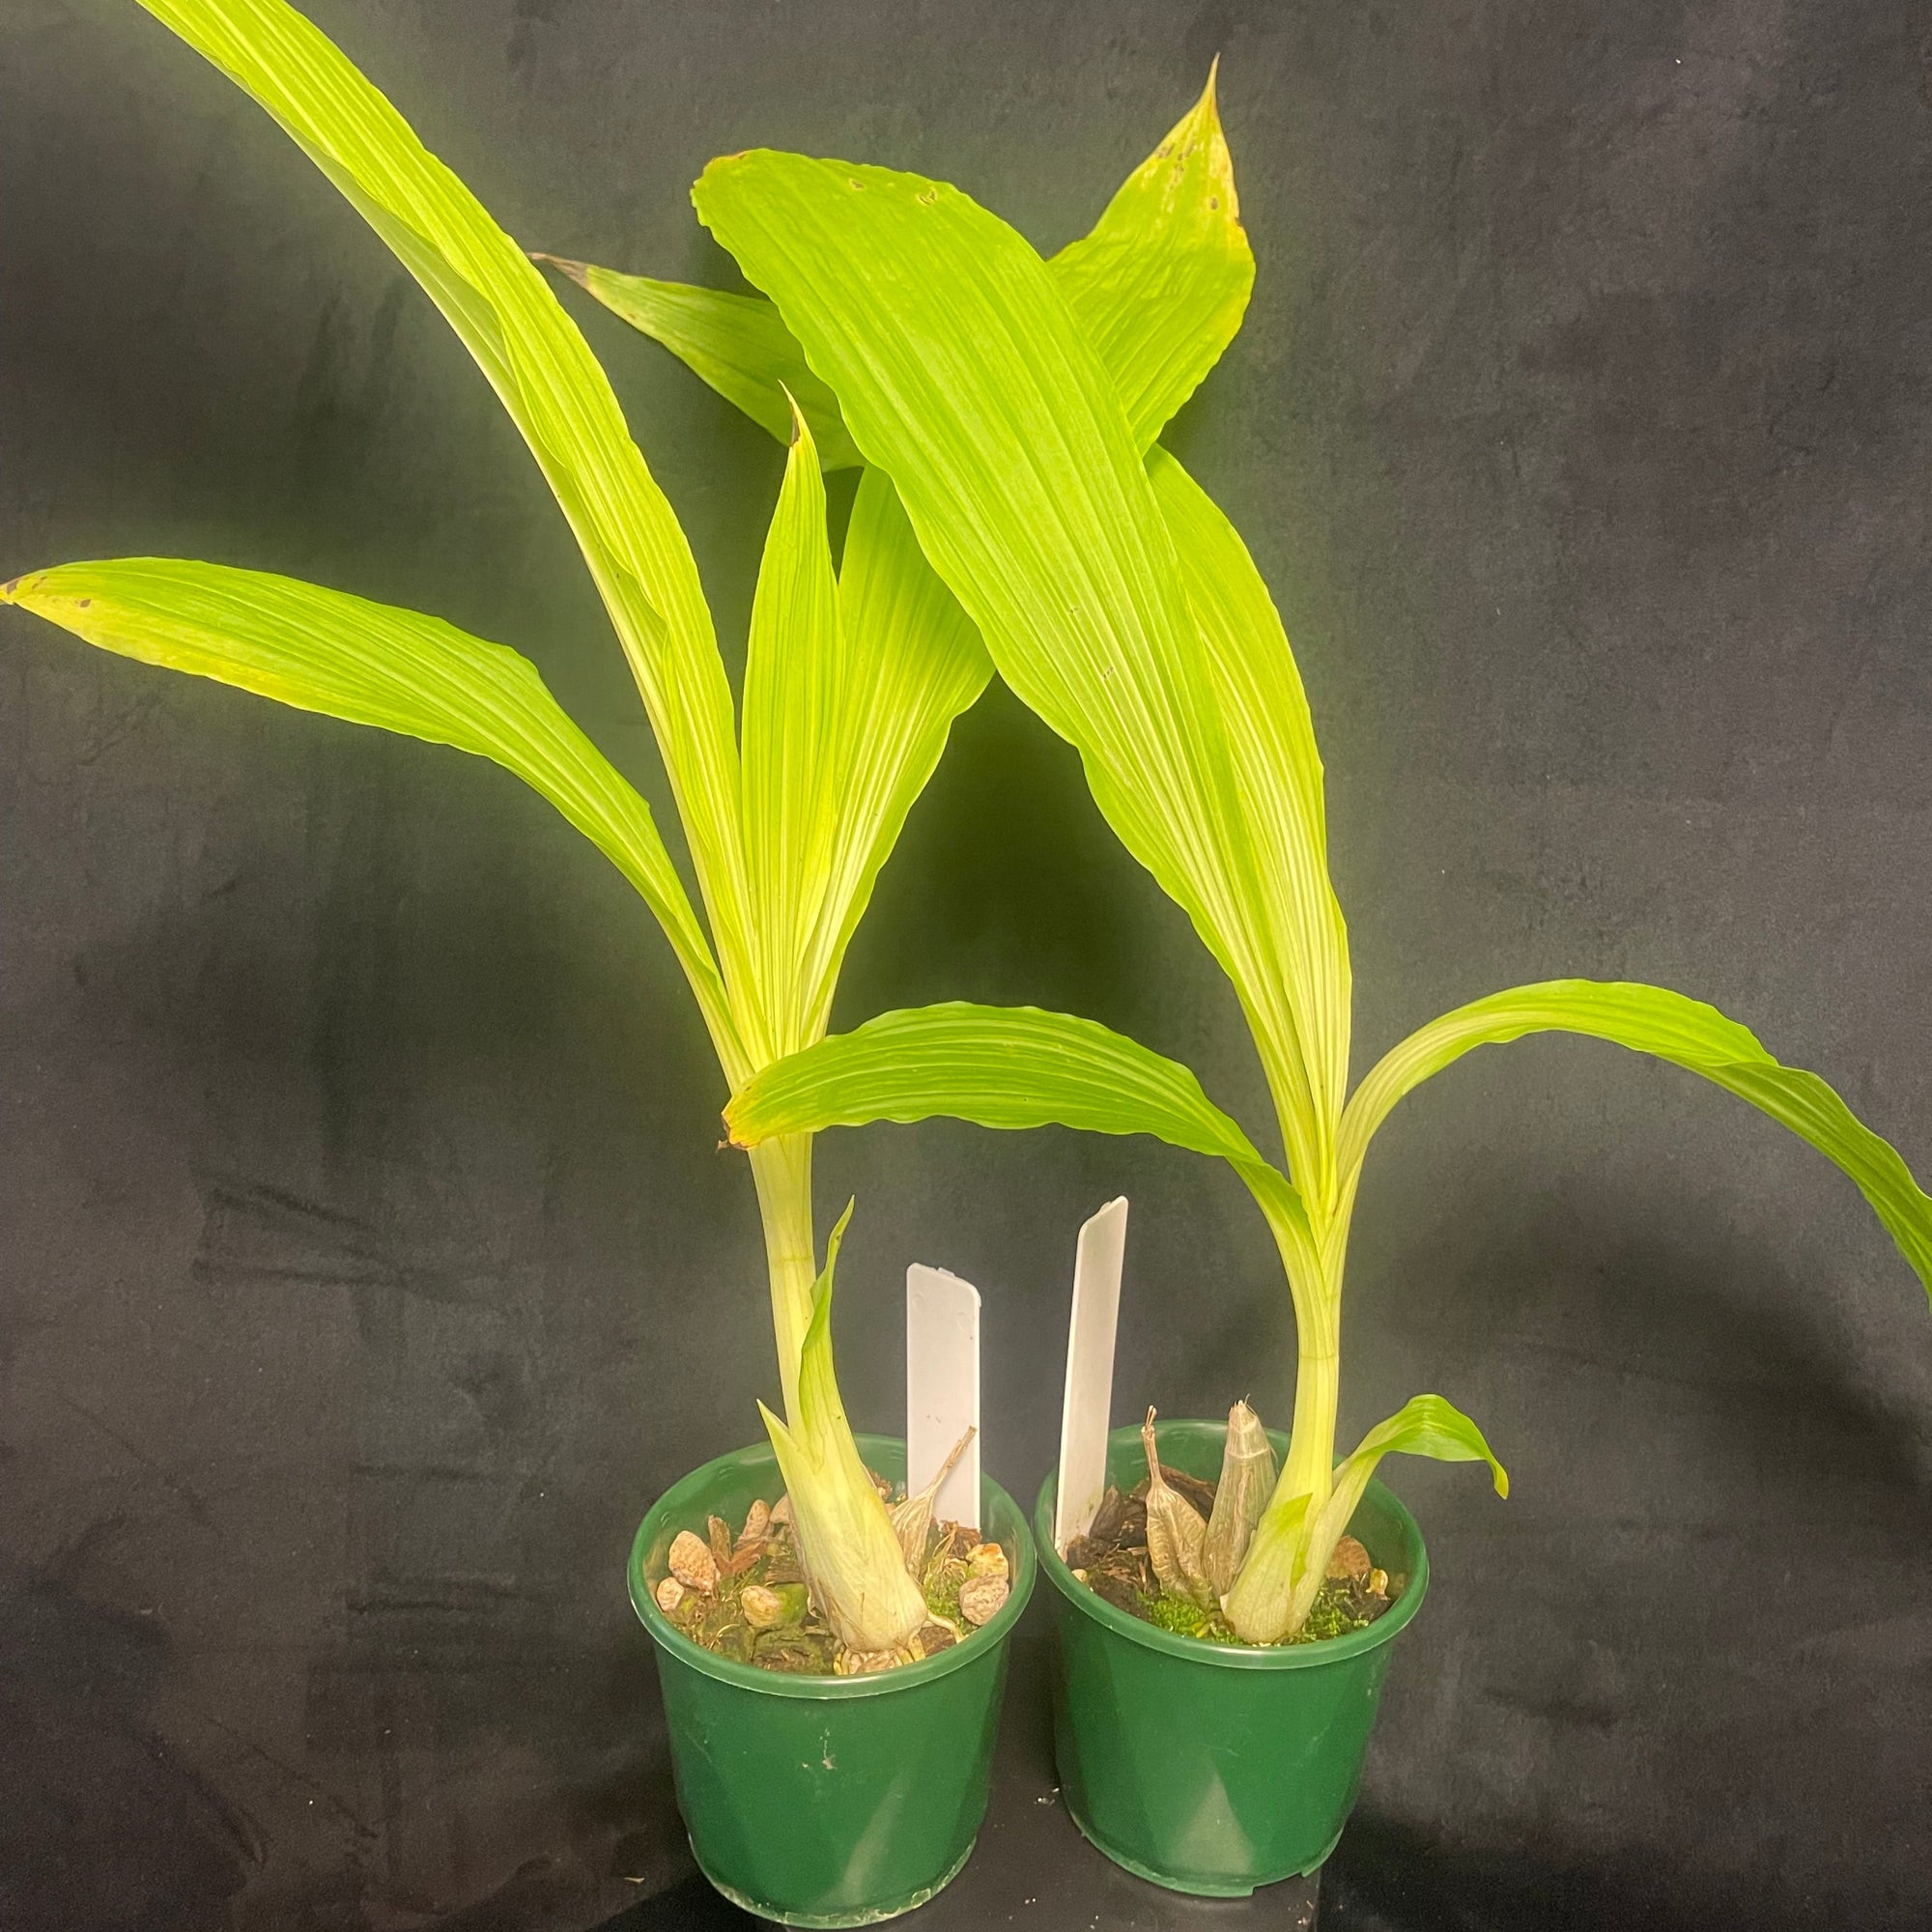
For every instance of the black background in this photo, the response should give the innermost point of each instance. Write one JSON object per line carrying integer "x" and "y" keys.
{"x": 368, "y": 1261}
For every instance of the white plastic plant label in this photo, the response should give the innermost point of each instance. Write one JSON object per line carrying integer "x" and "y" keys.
{"x": 942, "y": 1388}
{"x": 1089, "y": 1372}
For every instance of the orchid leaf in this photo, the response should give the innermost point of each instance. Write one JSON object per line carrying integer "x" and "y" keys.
{"x": 737, "y": 344}
{"x": 912, "y": 662}
{"x": 1425, "y": 1424}
{"x": 540, "y": 366}
{"x": 1262, "y": 709}
{"x": 818, "y": 838}
{"x": 1687, "y": 1032}
{"x": 1162, "y": 280}
{"x": 1000, "y": 1067}
{"x": 962, "y": 373}
{"x": 372, "y": 663}
{"x": 850, "y": 690}
{"x": 1289, "y": 1556}
{"x": 794, "y": 681}
{"x": 1161, "y": 285}
{"x": 846, "y": 1542}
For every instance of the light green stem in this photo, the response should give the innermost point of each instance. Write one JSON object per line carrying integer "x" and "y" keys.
{"x": 1307, "y": 1471}
{"x": 782, "y": 1171}
{"x": 1315, "y": 1288}
{"x": 1262, "y": 1606}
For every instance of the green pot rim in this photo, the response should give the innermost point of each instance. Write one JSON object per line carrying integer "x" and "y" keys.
{"x": 1224, "y": 1656}
{"x": 689, "y": 1492}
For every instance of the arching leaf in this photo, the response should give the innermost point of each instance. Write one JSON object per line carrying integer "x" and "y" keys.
{"x": 1001, "y": 1067}
{"x": 373, "y": 664}
{"x": 962, "y": 372}
{"x": 540, "y": 366}
{"x": 1687, "y": 1032}
{"x": 1160, "y": 284}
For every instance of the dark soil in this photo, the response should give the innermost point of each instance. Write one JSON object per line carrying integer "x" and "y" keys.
{"x": 1112, "y": 1560}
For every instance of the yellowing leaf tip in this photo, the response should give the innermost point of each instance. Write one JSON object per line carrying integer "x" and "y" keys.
{"x": 1203, "y": 122}
{"x": 24, "y": 589}
{"x": 838, "y": 1233}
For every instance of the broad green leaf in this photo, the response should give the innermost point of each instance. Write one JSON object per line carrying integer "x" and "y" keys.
{"x": 1426, "y": 1425}
{"x": 372, "y": 663}
{"x": 845, "y": 1538}
{"x": 1688, "y": 1033}
{"x": 1271, "y": 737}
{"x": 850, "y": 689}
{"x": 1163, "y": 281}
{"x": 735, "y": 343}
{"x": 795, "y": 683}
{"x": 1161, "y": 285}
{"x": 1001, "y": 1067}
{"x": 506, "y": 315}
{"x": 962, "y": 374}
{"x": 541, "y": 367}
{"x": 912, "y": 664}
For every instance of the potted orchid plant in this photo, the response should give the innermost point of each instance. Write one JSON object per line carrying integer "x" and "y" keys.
{"x": 818, "y": 1632}
{"x": 791, "y": 1600}
{"x": 1210, "y": 1733}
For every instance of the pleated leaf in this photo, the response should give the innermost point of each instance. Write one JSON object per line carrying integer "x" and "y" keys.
{"x": 1277, "y": 768}
{"x": 795, "y": 683}
{"x": 1162, "y": 280}
{"x": 850, "y": 690}
{"x": 736, "y": 343}
{"x": 551, "y": 386}
{"x": 506, "y": 315}
{"x": 1425, "y": 1424}
{"x": 372, "y": 663}
{"x": 1161, "y": 285}
{"x": 1000, "y": 1067}
{"x": 1689, "y": 1034}
{"x": 963, "y": 375}
{"x": 912, "y": 662}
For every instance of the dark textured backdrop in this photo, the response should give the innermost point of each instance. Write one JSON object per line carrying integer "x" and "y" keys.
{"x": 368, "y": 1263}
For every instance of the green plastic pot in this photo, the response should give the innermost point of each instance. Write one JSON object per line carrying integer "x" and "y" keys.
{"x": 1211, "y": 1767}
{"x": 826, "y": 1801}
